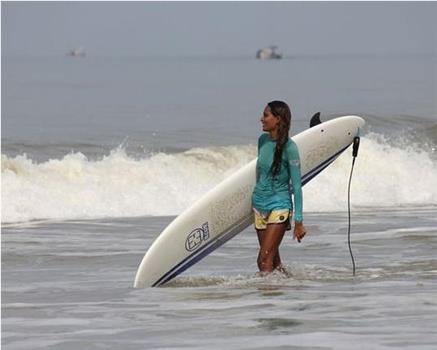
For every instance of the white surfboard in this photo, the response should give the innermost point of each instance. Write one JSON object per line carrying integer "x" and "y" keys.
{"x": 226, "y": 210}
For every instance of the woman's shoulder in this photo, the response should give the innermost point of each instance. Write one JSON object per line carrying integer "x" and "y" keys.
{"x": 263, "y": 137}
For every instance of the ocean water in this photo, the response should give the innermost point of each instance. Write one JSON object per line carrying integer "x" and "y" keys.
{"x": 99, "y": 154}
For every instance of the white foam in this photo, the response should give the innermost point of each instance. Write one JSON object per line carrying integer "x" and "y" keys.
{"x": 384, "y": 175}
{"x": 118, "y": 185}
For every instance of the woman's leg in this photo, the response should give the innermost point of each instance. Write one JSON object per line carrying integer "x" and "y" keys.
{"x": 277, "y": 263}
{"x": 260, "y": 234}
{"x": 270, "y": 239}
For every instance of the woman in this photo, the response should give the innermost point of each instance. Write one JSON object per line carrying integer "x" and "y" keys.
{"x": 277, "y": 179}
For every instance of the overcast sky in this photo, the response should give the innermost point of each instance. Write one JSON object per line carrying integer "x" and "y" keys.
{"x": 224, "y": 28}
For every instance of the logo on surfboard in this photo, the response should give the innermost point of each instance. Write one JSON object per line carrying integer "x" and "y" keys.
{"x": 196, "y": 237}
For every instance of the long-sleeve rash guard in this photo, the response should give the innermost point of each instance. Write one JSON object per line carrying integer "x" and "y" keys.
{"x": 270, "y": 192}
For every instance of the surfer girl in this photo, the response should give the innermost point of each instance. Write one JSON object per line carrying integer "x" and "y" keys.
{"x": 278, "y": 179}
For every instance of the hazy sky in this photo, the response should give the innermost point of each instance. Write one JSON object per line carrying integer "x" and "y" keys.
{"x": 209, "y": 28}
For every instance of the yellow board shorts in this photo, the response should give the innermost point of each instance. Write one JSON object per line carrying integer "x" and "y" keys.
{"x": 276, "y": 216}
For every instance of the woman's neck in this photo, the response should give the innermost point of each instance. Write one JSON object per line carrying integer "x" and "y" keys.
{"x": 274, "y": 134}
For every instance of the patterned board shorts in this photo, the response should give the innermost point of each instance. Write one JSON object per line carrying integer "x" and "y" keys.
{"x": 277, "y": 216}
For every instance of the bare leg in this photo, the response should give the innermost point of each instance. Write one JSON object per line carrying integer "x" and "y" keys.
{"x": 277, "y": 264}
{"x": 270, "y": 239}
{"x": 260, "y": 236}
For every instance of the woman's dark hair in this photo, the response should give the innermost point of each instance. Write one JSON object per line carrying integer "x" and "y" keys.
{"x": 280, "y": 110}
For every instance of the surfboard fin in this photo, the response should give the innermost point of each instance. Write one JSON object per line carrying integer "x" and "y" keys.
{"x": 315, "y": 120}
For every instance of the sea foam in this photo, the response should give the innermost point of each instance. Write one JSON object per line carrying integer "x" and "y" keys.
{"x": 119, "y": 185}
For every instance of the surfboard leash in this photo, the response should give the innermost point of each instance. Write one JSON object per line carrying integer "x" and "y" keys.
{"x": 356, "y": 145}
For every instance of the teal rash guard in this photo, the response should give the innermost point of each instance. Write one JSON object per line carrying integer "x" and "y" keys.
{"x": 273, "y": 193}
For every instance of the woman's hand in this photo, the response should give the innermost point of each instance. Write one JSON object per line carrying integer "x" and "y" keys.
{"x": 299, "y": 231}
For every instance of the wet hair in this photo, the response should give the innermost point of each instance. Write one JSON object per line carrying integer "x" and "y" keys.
{"x": 280, "y": 110}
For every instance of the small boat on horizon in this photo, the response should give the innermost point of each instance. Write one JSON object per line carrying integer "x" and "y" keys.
{"x": 79, "y": 52}
{"x": 268, "y": 53}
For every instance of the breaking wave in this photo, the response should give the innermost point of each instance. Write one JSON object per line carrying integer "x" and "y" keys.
{"x": 119, "y": 185}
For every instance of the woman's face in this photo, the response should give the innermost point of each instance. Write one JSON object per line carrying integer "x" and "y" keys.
{"x": 269, "y": 121}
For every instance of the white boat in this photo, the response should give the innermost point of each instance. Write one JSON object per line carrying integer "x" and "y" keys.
{"x": 268, "y": 53}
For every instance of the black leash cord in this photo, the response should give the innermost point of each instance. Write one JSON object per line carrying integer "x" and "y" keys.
{"x": 349, "y": 212}
{"x": 356, "y": 145}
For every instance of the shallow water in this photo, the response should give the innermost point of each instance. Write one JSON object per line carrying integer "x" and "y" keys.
{"x": 69, "y": 284}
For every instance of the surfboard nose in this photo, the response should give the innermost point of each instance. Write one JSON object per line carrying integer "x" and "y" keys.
{"x": 359, "y": 121}
{"x": 360, "y": 124}
{"x": 354, "y": 123}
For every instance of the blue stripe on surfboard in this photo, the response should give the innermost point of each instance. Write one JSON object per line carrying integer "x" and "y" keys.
{"x": 204, "y": 251}
{"x": 227, "y": 235}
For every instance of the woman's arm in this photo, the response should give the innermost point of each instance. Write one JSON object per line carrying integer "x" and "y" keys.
{"x": 296, "y": 181}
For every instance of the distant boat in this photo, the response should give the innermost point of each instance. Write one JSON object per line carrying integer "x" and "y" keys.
{"x": 79, "y": 52}
{"x": 268, "y": 53}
